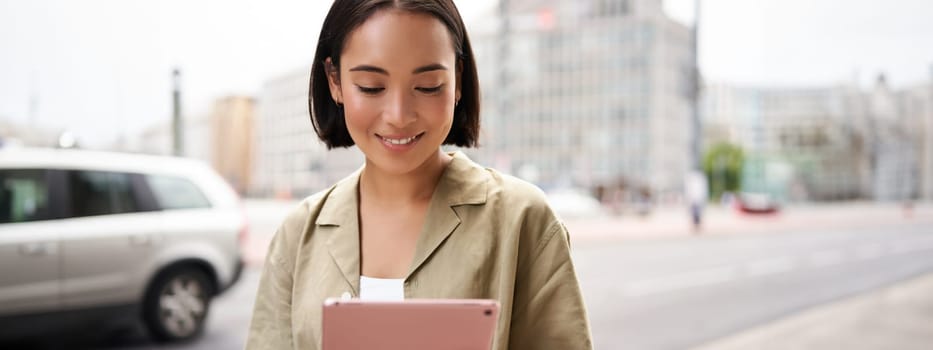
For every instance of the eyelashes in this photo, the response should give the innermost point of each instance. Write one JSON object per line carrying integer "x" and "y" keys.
{"x": 376, "y": 90}
{"x": 430, "y": 90}
{"x": 370, "y": 90}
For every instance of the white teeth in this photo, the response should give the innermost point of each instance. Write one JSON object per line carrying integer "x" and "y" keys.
{"x": 404, "y": 141}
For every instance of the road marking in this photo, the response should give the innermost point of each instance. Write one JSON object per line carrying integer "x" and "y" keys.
{"x": 912, "y": 246}
{"x": 868, "y": 251}
{"x": 769, "y": 266}
{"x": 825, "y": 258}
{"x": 889, "y": 249}
{"x": 681, "y": 281}
{"x": 928, "y": 242}
{"x": 909, "y": 247}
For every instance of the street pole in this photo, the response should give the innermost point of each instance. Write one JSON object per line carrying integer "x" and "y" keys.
{"x": 177, "y": 131}
{"x": 697, "y": 190}
{"x": 696, "y": 136}
{"x": 720, "y": 188}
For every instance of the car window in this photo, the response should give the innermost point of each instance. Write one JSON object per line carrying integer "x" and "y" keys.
{"x": 101, "y": 193}
{"x": 23, "y": 195}
{"x": 176, "y": 193}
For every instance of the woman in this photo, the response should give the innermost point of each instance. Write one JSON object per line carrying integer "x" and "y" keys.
{"x": 398, "y": 80}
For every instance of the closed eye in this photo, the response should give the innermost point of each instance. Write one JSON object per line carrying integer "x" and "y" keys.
{"x": 430, "y": 90}
{"x": 370, "y": 90}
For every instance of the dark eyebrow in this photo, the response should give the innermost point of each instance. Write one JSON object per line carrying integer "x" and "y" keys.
{"x": 419, "y": 70}
{"x": 365, "y": 68}
{"x": 428, "y": 68}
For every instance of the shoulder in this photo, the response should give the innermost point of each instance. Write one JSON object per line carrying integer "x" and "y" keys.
{"x": 323, "y": 203}
{"x": 298, "y": 223}
{"x": 302, "y": 214}
{"x": 503, "y": 196}
{"x": 505, "y": 199}
{"x": 530, "y": 218}
{"x": 525, "y": 205}
{"x": 517, "y": 194}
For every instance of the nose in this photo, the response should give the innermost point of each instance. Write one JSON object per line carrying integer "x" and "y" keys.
{"x": 399, "y": 112}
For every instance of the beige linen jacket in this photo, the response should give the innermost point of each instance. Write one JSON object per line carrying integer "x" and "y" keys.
{"x": 486, "y": 235}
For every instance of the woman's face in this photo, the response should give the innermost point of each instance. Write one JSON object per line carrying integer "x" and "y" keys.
{"x": 398, "y": 83}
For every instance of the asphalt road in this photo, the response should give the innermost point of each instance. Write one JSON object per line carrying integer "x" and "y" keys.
{"x": 681, "y": 293}
{"x": 678, "y": 292}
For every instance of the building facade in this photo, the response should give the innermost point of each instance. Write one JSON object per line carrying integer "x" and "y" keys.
{"x": 800, "y": 143}
{"x": 12, "y": 134}
{"x": 586, "y": 93}
{"x": 157, "y": 139}
{"x": 892, "y": 145}
{"x": 916, "y": 105}
{"x": 232, "y": 142}
{"x": 292, "y": 162}
{"x": 223, "y": 138}
{"x": 838, "y": 142}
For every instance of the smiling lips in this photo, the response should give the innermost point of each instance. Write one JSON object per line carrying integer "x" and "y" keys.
{"x": 400, "y": 141}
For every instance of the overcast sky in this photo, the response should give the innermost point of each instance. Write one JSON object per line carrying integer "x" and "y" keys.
{"x": 103, "y": 67}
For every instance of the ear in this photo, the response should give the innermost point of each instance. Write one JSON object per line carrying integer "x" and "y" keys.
{"x": 333, "y": 80}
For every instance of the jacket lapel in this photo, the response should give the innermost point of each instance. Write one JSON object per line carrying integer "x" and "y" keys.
{"x": 339, "y": 220}
{"x": 462, "y": 183}
{"x": 440, "y": 222}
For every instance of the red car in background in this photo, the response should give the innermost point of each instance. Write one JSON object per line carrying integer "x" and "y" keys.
{"x": 756, "y": 203}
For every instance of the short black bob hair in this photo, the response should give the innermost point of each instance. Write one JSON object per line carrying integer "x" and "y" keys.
{"x": 345, "y": 16}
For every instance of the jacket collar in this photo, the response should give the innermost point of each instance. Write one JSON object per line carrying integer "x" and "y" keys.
{"x": 462, "y": 183}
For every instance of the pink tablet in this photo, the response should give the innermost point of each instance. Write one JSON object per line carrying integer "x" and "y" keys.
{"x": 410, "y": 324}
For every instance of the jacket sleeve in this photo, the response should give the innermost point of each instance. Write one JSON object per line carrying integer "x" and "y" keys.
{"x": 549, "y": 312}
{"x": 271, "y": 326}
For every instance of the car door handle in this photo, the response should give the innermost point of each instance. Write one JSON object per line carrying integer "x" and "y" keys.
{"x": 34, "y": 249}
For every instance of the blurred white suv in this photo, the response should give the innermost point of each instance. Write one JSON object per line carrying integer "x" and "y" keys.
{"x": 91, "y": 238}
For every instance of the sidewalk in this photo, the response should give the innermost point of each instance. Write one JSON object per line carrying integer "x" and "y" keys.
{"x": 896, "y": 317}
{"x": 672, "y": 222}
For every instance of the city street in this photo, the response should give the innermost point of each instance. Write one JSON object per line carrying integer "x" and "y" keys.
{"x": 681, "y": 293}
{"x": 674, "y": 292}
{"x": 731, "y": 175}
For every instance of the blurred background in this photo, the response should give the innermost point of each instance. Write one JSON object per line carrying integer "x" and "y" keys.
{"x": 734, "y": 173}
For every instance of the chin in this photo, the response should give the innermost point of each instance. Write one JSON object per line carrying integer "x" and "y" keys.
{"x": 399, "y": 165}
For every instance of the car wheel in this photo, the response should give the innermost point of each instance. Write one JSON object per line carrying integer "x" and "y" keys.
{"x": 177, "y": 303}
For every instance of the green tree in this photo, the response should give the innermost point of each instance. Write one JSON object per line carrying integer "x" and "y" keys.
{"x": 723, "y": 166}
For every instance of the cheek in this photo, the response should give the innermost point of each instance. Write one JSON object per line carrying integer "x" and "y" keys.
{"x": 440, "y": 107}
{"x": 438, "y": 114}
{"x": 359, "y": 112}
{"x": 358, "y": 103}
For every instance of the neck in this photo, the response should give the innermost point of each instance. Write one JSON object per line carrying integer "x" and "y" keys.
{"x": 415, "y": 186}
